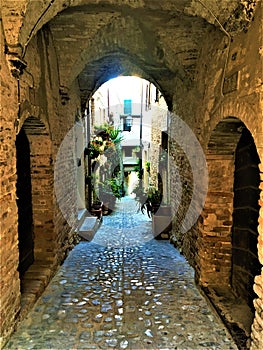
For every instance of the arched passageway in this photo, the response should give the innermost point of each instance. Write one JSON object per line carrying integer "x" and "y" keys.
{"x": 228, "y": 247}
{"x": 140, "y": 151}
{"x": 55, "y": 54}
{"x": 35, "y": 217}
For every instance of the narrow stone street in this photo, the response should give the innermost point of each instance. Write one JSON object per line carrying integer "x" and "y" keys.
{"x": 123, "y": 290}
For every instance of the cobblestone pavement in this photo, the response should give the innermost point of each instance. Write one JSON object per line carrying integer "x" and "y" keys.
{"x": 113, "y": 293}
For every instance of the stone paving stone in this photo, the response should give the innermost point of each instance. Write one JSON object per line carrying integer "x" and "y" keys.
{"x": 123, "y": 290}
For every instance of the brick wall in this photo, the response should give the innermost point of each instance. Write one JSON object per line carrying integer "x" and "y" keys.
{"x": 46, "y": 117}
{"x": 42, "y": 191}
{"x": 203, "y": 99}
{"x": 208, "y": 245}
{"x": 10, "y": 285}
{"x": 215, "y": 241}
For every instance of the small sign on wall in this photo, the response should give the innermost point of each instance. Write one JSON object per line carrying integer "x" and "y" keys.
{"x": 231, "y": 83}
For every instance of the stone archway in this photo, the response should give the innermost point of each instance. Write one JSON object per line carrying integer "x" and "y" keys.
{"x": 228, "y": 256}
{"x": 35, "y": 210}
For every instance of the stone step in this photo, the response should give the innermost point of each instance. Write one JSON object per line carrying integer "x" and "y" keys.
{"x": 82, "y": 214}
{"x": 88, "y": 228}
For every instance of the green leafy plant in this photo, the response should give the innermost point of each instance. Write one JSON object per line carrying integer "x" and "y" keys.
{"x": 94, "y": 150}
{"x": 115, "y": 136}
{"x": 117, "y": 186}
{"x": 140, "y": 193}
{"x": 138, "y": 170}
{"x": 154, "y": 195}
{"x": 102, "y": 131}
{"x": 147, "y": 166}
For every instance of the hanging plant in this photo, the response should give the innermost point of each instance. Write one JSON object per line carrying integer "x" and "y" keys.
{"x": 102, "y": 131}
{"x": 94, "y": 150}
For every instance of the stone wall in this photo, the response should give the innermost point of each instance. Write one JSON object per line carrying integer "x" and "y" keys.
{"x": 215, "y": 240}
{"x": 10, "y": 285}
{"x": 156, "y": 141}
{"x": 57, "y": 108}
{"x": 46, "y": 117}
{"x": 230, "y": 88}
{"x": 207, "y": 82}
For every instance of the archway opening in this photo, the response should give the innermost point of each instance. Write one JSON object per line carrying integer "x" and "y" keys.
{"x": 245, "y": 263}
{"x": 35, "y": 212}
{"x": 228, "y": 248}
{"x": 128, "y": 114}
{"x": 24, "y": 204}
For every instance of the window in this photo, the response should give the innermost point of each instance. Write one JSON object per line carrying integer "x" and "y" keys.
{"x": 128, "y": 151}
{"x": 127, "y": 106}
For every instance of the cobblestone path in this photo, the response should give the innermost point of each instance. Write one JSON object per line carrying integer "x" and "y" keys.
{"x": 123, "y": 290}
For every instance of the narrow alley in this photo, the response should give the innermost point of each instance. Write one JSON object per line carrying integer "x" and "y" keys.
{"x": 123, "y": 290}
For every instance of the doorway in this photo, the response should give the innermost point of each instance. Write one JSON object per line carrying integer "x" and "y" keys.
{"x": 245, "y": 263}
{"x": 24, "y": 204}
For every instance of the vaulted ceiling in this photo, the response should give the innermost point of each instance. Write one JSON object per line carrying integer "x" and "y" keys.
{"x": 96, "y": 40}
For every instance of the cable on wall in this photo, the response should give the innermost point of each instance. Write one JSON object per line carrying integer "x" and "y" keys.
{"x": 34, "y": 27}
{"x": 229, "y": 42}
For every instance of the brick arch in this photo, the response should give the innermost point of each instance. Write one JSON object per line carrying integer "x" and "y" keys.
{"x": 247, "y": 114}
{"x": 228, "y": 252}
{"x": 114, "y": 64}
{"x": 109, "y": 40}
{"x": 41, "y": 174}
{"x": 112, "y": 53}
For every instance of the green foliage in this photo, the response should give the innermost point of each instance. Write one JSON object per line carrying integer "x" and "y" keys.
{"x": 94, "y": 150}
{"x": 108, "y": 132}
{"x": 138, "y": 170}
{"x": 117, "y": 186}
{"x": 115, "y": 136}
{"x": 113, "y": 186}
{"x": 141, "y": 194}
{"x": 151, "y": 193}
{"x": 154, "y": 195}
{"x": 107, "y": 136}
{"x": 102, "y": 130}
{"x": 148, "y": 166}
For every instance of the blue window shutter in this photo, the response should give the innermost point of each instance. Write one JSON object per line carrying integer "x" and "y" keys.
{"x": 127, "y": 106}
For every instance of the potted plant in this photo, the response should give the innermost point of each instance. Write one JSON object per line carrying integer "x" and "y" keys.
{"x": 107, "y": 196}
{"x": 155, "y": 197}
{"x": 102, "y": 131}
{"x": 151, "y": 201}
{"x": 141, "y": 197}
{"x": 161, "y": 215}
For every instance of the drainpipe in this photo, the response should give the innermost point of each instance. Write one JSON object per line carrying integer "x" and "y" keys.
{"x": 140, "y": 160}
{"x": 88, "y": 183}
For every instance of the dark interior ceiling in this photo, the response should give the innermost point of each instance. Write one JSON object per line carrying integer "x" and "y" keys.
{"x": 158, "y": 40}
